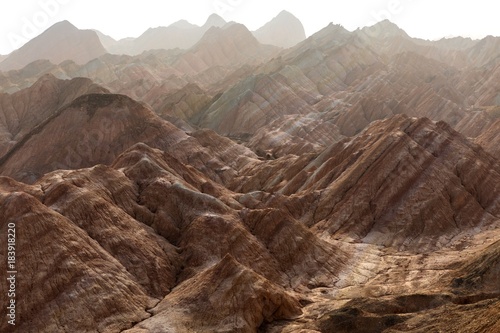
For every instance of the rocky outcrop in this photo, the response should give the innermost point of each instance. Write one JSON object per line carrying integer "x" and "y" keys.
{"x": 346, "y": 79}
{"x": 87, "y": 132}
{"x": 294, "y": 134}
{"x": 181, "y": 107}
{"x": 367, "y": 188}
{"x": 251, "y": 104}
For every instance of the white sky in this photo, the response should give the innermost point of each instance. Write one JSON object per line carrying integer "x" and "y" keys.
{"x": 429, "y": 19}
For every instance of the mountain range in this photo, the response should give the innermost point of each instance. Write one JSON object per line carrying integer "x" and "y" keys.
{"x": 215, "y": 179}
{"x": 63, "y": 41}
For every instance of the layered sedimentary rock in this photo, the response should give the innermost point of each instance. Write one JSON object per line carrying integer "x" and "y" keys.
{"x": 161, "y": 222}
{"x": 21, "y": 112}
{"x": 344, "y": 78}
{"x": 255, "y": 300}
{"x": 64, "y": 271}
{"x": 387, "y": 230}
{"x": 349, "y": 183}
{"x": 489, "y": 139}
{"x": 96, "y": 128}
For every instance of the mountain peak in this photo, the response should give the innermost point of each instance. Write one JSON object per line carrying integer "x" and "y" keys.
{"x": 233, "y": 31}
{"x": 183, "y": 24}
{"x": 285, "y": 13}
{"x": 214, "y": 20}
{"x": 63, "y": 24}
{"x": 285, "y": 30}
{"x": 62, "y": 41}
{"x": 384, "y": 29}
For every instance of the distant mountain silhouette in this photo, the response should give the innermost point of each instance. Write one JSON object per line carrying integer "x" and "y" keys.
{"x": 232, "y": 45}
{"x": 285, "y": 30}
{"x": 62, "y": 41}
{"x": 383, "y": 29}
{"x": 180, "y": 34}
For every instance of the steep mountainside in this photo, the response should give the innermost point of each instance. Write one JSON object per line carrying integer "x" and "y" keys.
{"x": 388, "y": 229}
{"x": 23, "y": 111}
{"x": 96, "y": 128}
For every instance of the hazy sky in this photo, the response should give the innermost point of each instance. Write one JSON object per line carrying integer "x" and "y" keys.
{"x": 430, "y": 19}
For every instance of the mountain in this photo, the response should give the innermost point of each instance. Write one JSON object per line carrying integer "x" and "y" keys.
{"x": 348, "y": 183}
{"x": 285, "y": 30}
{"x": 266, "y": 301}
{"x": 399, "y": 222}
{"x": 489, "y": 138}
{"x": 230, "y": 46}
{"x": 107, "y": 42}
{"x": 384, "y": 29}
{"x": 181, "y": 34}
{"x": 21, "y": 112}
{"x": 335, "y": 77}
{"x": 183, "y": 24}
{"x": 459, "y": 43}
{"x": 213, "y": 20}
{"x": 62, "y": 41}
{"x": 485, "y": 51}
{"x": 99, "y": 141}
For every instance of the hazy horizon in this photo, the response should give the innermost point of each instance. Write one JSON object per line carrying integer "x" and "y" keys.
{"x": 23, "y": 21}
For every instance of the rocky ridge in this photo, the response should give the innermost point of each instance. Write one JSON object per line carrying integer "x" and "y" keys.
{"x": 302, "y": 246}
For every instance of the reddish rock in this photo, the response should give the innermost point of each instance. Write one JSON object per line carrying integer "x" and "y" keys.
{"x": 60, "y": 269}
{"x": 21, "y": 112}
{"x": 253, "y": 300}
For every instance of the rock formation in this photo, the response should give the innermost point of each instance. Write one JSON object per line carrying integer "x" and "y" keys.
{"x": 348, "y": 183}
